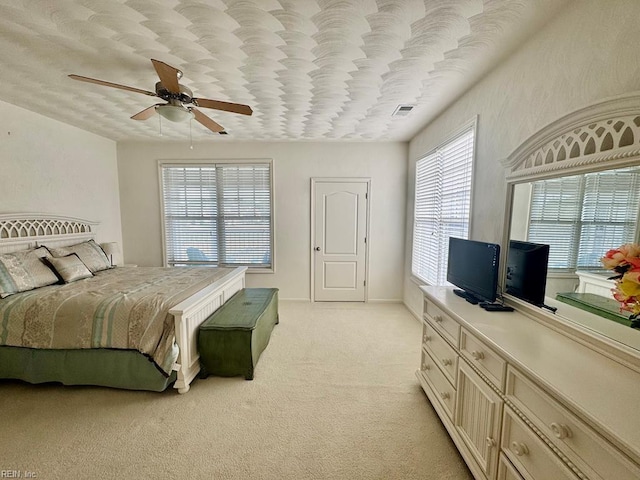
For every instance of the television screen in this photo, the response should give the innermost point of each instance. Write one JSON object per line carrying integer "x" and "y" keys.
{"x": 527, "y": 271}
{"x": 473, "y": 267}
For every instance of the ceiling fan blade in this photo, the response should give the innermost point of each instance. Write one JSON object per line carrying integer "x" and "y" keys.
{"x": 113, "y": 85}
{"x": 226, "y": 106}
{"x": 146, "y": 113}
{"x": 168, "y": 75}
{"x": 207, "y": 122}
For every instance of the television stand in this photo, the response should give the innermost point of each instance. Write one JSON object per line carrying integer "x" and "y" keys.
{"x": 467, "y": 296}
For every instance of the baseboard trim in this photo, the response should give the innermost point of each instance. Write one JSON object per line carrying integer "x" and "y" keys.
{"x": 413, "y": 312}
{"x": 371, "y": 300}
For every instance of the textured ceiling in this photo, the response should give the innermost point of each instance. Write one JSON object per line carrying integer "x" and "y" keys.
{"x": 310, "y": 69}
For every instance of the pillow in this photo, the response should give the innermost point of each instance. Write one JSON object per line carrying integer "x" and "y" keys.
{"x": 22, "y": 271}
{"x": 89, "y": 252}
{"x": 69, "y": 268}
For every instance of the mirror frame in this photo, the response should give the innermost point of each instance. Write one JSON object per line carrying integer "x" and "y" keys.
{"x": 602, "y": 136}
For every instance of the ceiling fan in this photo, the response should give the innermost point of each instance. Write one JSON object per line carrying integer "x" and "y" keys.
{"x": 180, "y": 104}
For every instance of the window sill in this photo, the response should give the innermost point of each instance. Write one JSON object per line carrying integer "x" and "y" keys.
{"x": 418, "y": 281}
{"x": 260, "y": 270}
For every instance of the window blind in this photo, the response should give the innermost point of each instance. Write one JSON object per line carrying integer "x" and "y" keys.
{"x": 583, "y": 216}
{"x": 442, "y": 205}
{"x": 218, "y": 214}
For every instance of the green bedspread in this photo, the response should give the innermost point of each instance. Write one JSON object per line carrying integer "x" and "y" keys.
{"x": 122, "y": 308}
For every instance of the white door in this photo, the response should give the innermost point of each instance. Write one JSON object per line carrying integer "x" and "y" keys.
{"x": 339, "y": 240}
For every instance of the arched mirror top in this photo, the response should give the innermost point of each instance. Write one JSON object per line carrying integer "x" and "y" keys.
{"x": 603, "y": 136}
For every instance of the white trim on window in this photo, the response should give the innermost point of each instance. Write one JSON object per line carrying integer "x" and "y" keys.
{"x": 227, "y": 207}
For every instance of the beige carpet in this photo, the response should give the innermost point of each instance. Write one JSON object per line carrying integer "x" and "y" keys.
{"x": 334, "y": 397}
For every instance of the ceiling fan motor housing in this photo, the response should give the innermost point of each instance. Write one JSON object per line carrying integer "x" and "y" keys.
{"x": 185, "y": 95}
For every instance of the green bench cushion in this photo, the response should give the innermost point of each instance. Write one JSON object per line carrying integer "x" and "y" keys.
{"x": 231, "y": 340}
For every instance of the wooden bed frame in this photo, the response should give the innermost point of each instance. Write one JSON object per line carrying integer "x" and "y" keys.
{"x": 24, "y": 231}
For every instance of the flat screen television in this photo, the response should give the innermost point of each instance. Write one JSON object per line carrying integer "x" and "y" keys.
{"x": 474, "y": 267}
{"x": 527, "y": 271}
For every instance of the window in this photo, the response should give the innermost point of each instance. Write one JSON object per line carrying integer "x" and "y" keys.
{"x": 442, "y": 205}
{"x": 218, "y": 214}
{"x": 583, "y": 216}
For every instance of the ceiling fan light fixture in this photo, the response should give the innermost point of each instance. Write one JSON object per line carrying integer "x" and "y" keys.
{"x": 174, "y": 113}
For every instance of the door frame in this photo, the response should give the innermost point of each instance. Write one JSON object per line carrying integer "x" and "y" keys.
{"x": 316, "y": 180}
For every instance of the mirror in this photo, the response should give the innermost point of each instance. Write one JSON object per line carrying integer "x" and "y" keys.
{"x": 581, "y": 217}
{"x": 575, "y": 185}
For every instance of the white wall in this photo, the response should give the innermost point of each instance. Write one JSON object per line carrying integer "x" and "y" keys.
{"x": 50, "y": 167}
{"x": 294, "y": 166}
{"x": 586, "y": 54}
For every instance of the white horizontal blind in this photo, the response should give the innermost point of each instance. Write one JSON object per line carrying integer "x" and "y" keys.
{"x": 554, "y": 218}
{"x": 218, "y": 214}
{"x": 583, "y": 216}
{"x": 609, "y": 213}
{"x": 426, "y": 243}
{"x": 442, "y": 205}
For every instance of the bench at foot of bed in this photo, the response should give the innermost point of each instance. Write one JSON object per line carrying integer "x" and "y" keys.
{"x": 231, "y": 340}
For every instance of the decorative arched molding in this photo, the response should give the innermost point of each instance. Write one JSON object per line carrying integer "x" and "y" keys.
{"x": 604, "y": 135}
{"x": 26, "y": 230}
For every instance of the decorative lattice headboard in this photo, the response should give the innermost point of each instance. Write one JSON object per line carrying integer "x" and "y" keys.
{"x": 20, "y": 231}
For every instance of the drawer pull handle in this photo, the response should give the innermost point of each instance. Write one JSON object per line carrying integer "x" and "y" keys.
{"x": 490, "y": 442}
{"x": 477, "y": 355}
{"x": 426, "y": 367}
{"x": 560, "y": 430}
{"x": 437, "y": 318}
{"x": 444, "y": 395}
{"x": 519, "y": 449}
{"x": 446, "y": 362}
{"x": 426, "y": 338}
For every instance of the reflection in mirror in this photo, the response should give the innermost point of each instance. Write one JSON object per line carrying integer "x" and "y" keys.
{"x": 581, "y": 217}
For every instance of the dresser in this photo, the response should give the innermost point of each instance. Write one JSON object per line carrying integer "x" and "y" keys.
{"x": 524, "y": 401}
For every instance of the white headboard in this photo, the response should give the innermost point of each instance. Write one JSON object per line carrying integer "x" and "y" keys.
{"x": 20, "y": 231}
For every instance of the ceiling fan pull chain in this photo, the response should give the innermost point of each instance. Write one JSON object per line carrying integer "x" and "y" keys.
{"x": 160, "y": 123}
{"x": 190, "y": 137}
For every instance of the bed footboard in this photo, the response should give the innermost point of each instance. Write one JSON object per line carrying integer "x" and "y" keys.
{"x": 188, "y": 316}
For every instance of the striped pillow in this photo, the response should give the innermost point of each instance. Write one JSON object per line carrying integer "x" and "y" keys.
{"x": 22, "y": 271}
{"x": 89, "y": 252}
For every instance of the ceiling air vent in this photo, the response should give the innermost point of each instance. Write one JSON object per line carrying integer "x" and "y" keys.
{"x": 402, "y": 110}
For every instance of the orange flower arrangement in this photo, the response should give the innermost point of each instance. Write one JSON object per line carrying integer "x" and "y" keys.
{"x": 625, "y": 261}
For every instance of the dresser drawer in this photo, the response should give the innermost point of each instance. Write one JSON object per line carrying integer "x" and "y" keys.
{"x": 443, "y": 390}
{"x": 443, "y": 323}
{"x": 506, "y": 471}
{"x": 482, "y": 357}
{"x": 530, "y": 454}
{"x": 579, "y": 442}
{"x": 441, "y": 351}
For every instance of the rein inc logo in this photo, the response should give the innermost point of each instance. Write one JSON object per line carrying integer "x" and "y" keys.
{"x": 17, "y": 474}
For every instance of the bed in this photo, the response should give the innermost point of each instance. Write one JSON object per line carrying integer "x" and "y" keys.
{"x": 119, "y": 327}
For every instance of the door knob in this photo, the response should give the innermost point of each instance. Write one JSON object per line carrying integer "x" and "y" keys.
{"x": 317, "y": 249}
